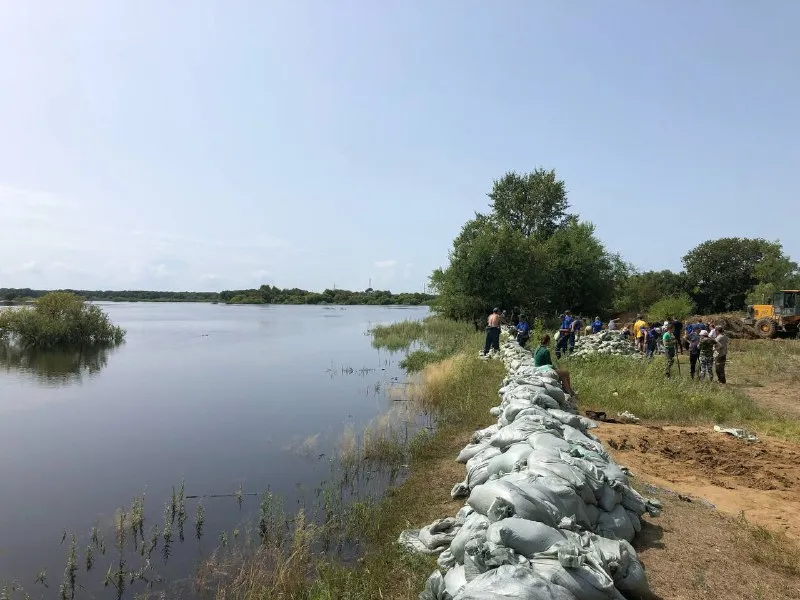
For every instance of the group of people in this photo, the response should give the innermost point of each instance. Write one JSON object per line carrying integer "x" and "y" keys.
{"x": 705, "y": 343}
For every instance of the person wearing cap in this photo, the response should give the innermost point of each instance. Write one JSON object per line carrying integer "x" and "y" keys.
{"x": 669, "y": 349}
{"x": 720, "y": 354}
{"x": 706, "y": 356}
{"x": 523, "y": 331}
{"x": 492, "y": 332}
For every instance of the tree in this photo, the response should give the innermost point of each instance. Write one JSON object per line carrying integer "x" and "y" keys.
{"x": 640, "y": 290}
{"x": 723, "y": 272}
{"x": 680, "y": 306}
{"x": 534, "y": 204}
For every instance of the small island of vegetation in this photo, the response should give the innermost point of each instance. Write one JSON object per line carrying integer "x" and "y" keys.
{"x": 59, "y": 320}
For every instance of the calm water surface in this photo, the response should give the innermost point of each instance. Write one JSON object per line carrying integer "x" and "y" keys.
{"x": 218, "y": 395}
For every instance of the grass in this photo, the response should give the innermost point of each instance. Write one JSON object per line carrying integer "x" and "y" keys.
{"x": 614, "y": 384}
{"x": 773, "y": 549}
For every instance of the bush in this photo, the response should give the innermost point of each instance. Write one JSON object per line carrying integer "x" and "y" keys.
{"x": 680, "y": 306}
{"x": 59, "y": 320}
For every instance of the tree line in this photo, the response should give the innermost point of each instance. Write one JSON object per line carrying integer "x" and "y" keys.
{"x": 529, "y": 251}
{"x": 264, "y": 295}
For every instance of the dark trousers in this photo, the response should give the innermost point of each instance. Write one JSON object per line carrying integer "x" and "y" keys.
{"x": 669, "y": 358}
{"x": 571, "y": 341}
{"x": 492, "y": 339}
{"x": 719, "y": 367}
{"x": 522, "y": 340}
{"x": 562, "y": 344}
{"x": 693, "y": 358}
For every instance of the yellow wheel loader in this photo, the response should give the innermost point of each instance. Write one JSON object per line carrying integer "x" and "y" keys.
{"x": 780, "y": 316}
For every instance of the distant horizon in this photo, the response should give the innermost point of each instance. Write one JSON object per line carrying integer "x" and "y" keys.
{"x": 185, "y": 291}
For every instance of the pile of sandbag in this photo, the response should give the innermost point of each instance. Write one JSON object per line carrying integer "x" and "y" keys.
{"x": 604, "y": 342}
{"x": 548, "y": 513}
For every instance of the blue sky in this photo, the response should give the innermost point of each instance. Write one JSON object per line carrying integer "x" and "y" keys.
{"x": 213, "y": 145}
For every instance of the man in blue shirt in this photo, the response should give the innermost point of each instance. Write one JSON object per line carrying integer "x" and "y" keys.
{"x": 565, "y": 333}
{"x": 523, "y": 331}
{"x": 597, "y": 325}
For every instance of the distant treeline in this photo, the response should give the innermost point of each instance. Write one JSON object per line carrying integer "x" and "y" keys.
{"x": 264, "y": 295}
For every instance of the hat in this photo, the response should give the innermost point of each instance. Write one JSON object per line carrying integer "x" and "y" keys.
{"x": 703, "y": 333}
{"x": 496, "y": 310}
{"x": 666, "y": 324}
{"x": 718, "y": 327}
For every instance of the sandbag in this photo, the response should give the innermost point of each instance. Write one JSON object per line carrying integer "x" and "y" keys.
{"x": 435, "y": 588}
{"x": 471, "y": 450}
{"x": 615, "y": 524}
{"x": 587, "y": 582}
{"x": 508, "y": 461}
{"x": 512, "y": 582}
{"x": 524, "y": 537}
{"x": 516, "y": 432}
{"x": 499, "y": 499}
{"x": 547, "y": 440}
{"x": 455, "y": 580}
{"x": 473, "y": 528}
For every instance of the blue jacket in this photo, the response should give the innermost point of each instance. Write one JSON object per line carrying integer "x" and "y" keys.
{"x": 566, "y": 324}
{"x": 523, "y": 328}
{"x": 597, "y": 326}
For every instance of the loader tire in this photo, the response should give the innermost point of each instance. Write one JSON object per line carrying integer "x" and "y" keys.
{"x": 766, "y": 328}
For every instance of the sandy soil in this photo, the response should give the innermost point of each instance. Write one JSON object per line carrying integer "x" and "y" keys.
{"x": 760, "y": 480}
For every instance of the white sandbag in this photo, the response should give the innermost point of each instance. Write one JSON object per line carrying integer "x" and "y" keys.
{"x": 577, "y": 437}
{"x": 511, "y": 582}
{"x": 615, "y": 524}
{"x": 586, "y": 582}
{"x": 446, "y": 560}
{"x": 545, "y": 464}
{"x": 516, "y": 432}
{"x": 512, "y": 410}
{"x": 439, "y": 533}
{"x": 633, "y": 500}
{"x": 556, "y": 393}
{"x": 524, "y": 537}
{"x": 482, "y": 556}
{"x": 609, "y": 497}
{"x": 435, "y": 588}
{"x": 455, "y": 580}
{"x": 499, "y": 499}
{"x": 484, "y": 434}
{"x": 555, "y": 493}
{"x": 471, "y": 450}
{"x": 567, "y": 418}
{"x": 508, "y": 461}
{"x": 547, "y": 440}
{"x": 474, "y": 527}
{"x": 463, "y": 514}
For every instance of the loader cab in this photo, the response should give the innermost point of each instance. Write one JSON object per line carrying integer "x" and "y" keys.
{"x": 786, "y": 303}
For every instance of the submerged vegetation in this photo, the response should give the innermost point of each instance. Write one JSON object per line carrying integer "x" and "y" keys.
{"x": 59, "y": 320}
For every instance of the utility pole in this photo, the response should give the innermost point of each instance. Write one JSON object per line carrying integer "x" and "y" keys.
{"x": 370, "y": 283}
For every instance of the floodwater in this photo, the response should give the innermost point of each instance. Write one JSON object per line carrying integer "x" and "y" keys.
{"x": 221, "y": 396}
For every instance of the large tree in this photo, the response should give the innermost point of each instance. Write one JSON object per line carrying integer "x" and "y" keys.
{"x": 639, "y": 291}
{"x": 527, "y": 252}
{"x": 534, "y": 203}
{"x": 722, "y": 272}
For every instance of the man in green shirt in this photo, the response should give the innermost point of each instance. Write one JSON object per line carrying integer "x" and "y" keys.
{"x": 668, "y": 339}
{"x": 542, "y": 358}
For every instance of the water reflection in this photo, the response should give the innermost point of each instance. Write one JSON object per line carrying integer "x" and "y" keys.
{"x": 55, "y": 367}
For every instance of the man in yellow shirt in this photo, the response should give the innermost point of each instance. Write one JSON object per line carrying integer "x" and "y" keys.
{"x": 638, "y": 333}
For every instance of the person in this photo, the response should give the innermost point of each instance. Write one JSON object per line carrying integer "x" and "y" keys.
{"x": 650, "y": 341}
{"x": 669, "y": 349}
{"x": 712, "y": 330}
{"x": 542, "y": 357}
{"x": 577, "y": 326}
{"x": 678, "y": 328}
{"x": 612, "y": 325}
{"x": 626, "y": 333}
{"x": 706, "y": 356}
{"x": 492, "y": 332}
{"x": 693, "y": 337}
{"x": 597, "y": 325}
{"x": 503, "y": 318}
{"x": 659, "y": 341}
{"x": 637, "y": 333}
{"x": 523, "y": 331}
{"x": 720, "y": 354}
{"x": 565, "y": 332}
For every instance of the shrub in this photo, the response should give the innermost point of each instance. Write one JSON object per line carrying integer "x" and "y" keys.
{"x": 680, "y": 306}
{"x": 59, "y": 320}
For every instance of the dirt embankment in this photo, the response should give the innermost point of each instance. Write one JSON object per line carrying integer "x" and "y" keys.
{"x": 760, "y": 480}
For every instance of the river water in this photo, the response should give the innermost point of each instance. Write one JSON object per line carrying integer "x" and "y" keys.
{"x": 221, "y": 396}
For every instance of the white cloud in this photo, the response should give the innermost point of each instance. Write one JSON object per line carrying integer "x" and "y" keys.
{"x": 385, "y": 264}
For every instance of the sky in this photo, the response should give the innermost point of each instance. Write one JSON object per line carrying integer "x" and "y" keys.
{"x": 197, "y": 145}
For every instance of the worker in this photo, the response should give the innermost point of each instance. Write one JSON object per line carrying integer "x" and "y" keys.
{"x": 492, "y": 332}
{"x": 612, "y": 325}
{"x": 564, "y": 334}
{"x": 542, "y": 357}
{"x": 523, "y": 331}
{"x": 720, "y": 354}
{"x": 669, "y": 349}
{"x": 638, "y": 335}
{"x": 706, "y": 356}
{"x": 693, "y": 337}
{"x": 678, "y": 325}
{"x": 597, "y": 325}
